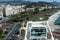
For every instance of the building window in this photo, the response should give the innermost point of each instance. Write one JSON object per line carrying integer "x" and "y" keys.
{"x": 38, "y": 32}
{"x": 34, "y": 39}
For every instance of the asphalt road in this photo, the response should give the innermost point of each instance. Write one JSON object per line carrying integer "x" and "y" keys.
{"x": 14, "y": 31}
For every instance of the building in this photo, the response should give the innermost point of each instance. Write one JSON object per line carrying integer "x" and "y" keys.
{"x": 30, "y": 9}
{"x": 10, "y": 10}
{"x": 36, "y": 31}
{"x": 1, "y": 13}
{"x": 56, "y": 34}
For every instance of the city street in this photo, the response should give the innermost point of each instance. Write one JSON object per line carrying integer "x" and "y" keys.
{"x": 14, "y": 31}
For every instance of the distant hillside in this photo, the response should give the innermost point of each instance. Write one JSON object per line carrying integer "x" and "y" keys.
{"x": 34, "y": 4}
{"x": 13, "y": 2}
{"x": 25, "y": 2}
{"x": 28, "y": 2}
{"x": 55, "y": 3}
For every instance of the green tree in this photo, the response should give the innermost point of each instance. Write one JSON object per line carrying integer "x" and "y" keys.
{"x": 1, "y": 32}
{"x": 36, "y": 11}
{"x": 22, "y": 32}
{"x": 7, "y": 31}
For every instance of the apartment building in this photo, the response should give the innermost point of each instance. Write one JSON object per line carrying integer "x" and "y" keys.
{"x": 10, "y": 10}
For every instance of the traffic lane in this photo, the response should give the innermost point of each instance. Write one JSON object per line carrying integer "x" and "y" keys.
{"x": 10, "y": 31}
{"x": 11, "y": 37}
{"x": 15, "y": 31}
{"x": 19, "y": 24}
{"x": 13, "y": 34}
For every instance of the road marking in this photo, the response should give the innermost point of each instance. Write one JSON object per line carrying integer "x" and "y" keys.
{"x": 10, "y": 32}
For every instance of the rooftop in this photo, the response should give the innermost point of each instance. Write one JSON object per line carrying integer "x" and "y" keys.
{"x": 38, "y": 24}
{"x": 36, "y": 30}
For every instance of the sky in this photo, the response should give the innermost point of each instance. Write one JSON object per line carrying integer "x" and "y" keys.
{"x": 43, "y": 0}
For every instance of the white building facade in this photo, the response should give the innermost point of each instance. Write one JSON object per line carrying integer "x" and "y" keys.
{"x": 36, "y": 31}
{"x": 10, "y": 10}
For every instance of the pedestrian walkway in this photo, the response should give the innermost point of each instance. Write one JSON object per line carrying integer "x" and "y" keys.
{"x": 52, "y": 20}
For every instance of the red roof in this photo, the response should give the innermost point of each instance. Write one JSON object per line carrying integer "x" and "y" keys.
{"x": 55, "y": 34}
{"x": 58, "y": 29}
